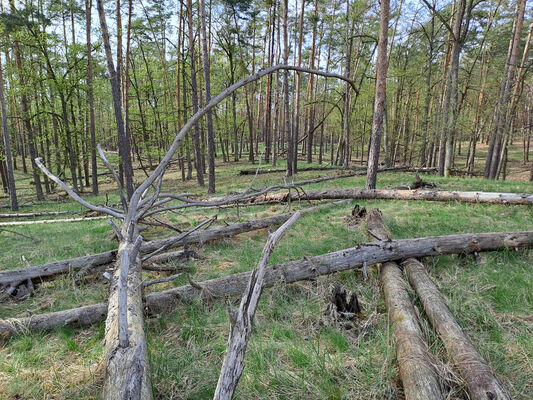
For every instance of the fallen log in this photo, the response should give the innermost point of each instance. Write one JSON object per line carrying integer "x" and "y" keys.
{"x": 481, "y": 382}
{"x": 392, "y": 194}
{"x": 52, "y": 270}
{"x": 419, "y": 378}
{"x": 306, "y": 169}
{"x": 41, "y": 214}
{"x": 50, "y": 221}
{"x": 402, "y": 168}
{"x": 127, "y": 370}
{"x": 304, "y": 269}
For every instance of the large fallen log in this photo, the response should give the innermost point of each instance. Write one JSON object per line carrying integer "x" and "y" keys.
{"x": 481, "y": 382}
{"x": 392, "y": 194}
{"x": 50, "y": 221}
{"x": 401, "y": 168}
{"x": 304, "y": 269}
{"x": 50, "y": 271}
{"x": 417, "y": 371}
{"x": 280, "y": 170}
{"x": 127, "y": 371}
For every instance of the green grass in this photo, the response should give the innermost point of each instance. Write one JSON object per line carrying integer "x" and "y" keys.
{"x": 295, "y": 350}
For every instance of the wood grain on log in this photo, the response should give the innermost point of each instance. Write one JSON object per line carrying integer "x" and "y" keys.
{"x": 127, "y": 373}
{"x": 304, "y": 269}
{"x": 416, "y": 365}
{"x": 392, "y": 194}
{"x": 481, "y": 382}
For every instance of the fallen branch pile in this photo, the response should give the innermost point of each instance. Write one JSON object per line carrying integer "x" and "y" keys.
{"x": 45, "y": 272}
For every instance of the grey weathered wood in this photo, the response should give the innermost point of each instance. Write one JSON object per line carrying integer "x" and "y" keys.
{"x": 50, "y": 271}
{"x": 304, "y": 269}
{"x": 415, "y": 363}
{"x": 481, "y": 381}
{"x": 392, "y": 194}
{"x": 241, "y": 321}
{"x": 126, "y": 367}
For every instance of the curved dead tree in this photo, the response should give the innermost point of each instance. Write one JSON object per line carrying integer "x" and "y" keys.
{"x": 126, "y": 368}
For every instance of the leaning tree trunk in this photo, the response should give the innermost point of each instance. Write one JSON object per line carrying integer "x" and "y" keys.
{"x": 419, "y": 377}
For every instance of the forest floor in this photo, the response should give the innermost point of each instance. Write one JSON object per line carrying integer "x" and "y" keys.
{"x": 295, "y": 350}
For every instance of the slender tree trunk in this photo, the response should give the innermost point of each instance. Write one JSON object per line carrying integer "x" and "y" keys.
{"x": 90, "y": 98}
{"x": 207, "y": 79}
{"x": 194, "y": 87}
{"x": 379, "y": 102}
{"x": 7, "y": 146}
{"x": 123, "y": 144}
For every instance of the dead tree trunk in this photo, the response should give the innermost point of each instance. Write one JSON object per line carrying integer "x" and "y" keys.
{"x": 294, "y": 271}
{"x": 393, "y": 194}
{"x": 127, "y": 373}
{"x": 417, "y": 371}
{"x": 481, "y": 382}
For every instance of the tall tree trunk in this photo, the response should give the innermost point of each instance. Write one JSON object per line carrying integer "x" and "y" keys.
{"x": 207, "y": 79}
{"x": 347, "y": 86}
{"x": 7, "y": 146}
{"x": 379, "y": 102}
{"x": 286, "y": 103}
{"x": 123, "y": 144}
{"x": 90, "y": 98}
{"x": 502, "y": 106}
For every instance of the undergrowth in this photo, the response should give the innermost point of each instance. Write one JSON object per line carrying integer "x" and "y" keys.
{"x": 295, "y": 350}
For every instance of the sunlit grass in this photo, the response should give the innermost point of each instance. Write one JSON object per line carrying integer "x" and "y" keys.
{"x": 295, "y": 350}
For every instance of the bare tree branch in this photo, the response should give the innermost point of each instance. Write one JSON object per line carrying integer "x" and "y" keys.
{"x": 241, "y": 321}
{"x": 74, "y": 195}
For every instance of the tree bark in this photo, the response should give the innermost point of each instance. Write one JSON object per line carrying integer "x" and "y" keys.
{"x": 481, "y": 382}
{"x": 304, "y": 269}
{"x": 380, "y": 99}
{"x": 419, "y": 377}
